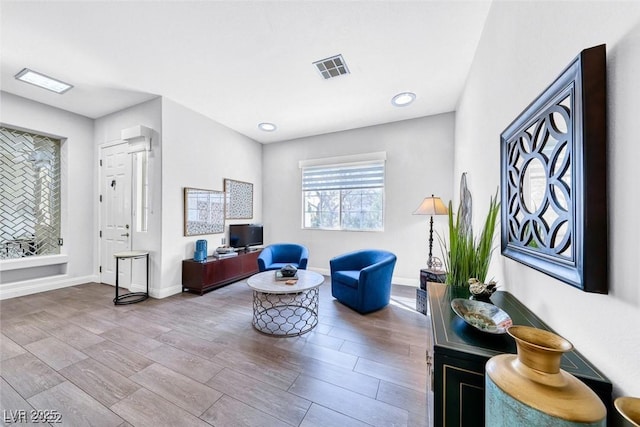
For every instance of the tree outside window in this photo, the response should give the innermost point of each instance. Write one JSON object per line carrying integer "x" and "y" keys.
{"x": 348, "y": 197}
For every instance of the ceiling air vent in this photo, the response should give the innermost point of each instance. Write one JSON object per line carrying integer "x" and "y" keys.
{"x": 332, "y": 67}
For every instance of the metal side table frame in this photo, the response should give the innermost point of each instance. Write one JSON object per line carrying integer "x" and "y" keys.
{"x": 138, "y": 296}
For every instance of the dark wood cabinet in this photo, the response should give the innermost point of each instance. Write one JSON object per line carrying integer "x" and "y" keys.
{"x": 460, "y": 352}
{"x": 204, "y": 276}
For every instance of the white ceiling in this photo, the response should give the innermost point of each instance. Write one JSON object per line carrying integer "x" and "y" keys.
{"x": 245, "y": 62}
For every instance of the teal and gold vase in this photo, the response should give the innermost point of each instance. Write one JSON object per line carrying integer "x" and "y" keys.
{"x": 530, "y": 388}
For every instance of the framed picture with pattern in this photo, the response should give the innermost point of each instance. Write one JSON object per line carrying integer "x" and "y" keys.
{"x": 238, "y": 199}
{"x": 203, "y": 211}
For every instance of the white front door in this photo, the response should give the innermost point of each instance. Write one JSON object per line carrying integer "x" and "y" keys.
{"x": 115, "y": 212}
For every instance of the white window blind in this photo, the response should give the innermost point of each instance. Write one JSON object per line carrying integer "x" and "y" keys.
{"x": 337, "y": 177}
{"x": 344, "y": 193}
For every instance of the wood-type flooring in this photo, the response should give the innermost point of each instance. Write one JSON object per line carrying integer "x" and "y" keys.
{"x": 72, "y": 358}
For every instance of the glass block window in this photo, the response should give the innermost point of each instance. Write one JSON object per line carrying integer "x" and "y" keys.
{"x": 29, "y": 194}
{"x": 344, "y": 196}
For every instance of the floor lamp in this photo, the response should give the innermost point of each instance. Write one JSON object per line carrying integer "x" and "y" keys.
{"x": 431, "y": 206}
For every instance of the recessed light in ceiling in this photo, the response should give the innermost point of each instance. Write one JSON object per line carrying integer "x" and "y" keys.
{"x": 403, "y": 99}
{"x": 267, "y": 127}
{"x": 332, "y": 67}
{"x": 40, "y": 80}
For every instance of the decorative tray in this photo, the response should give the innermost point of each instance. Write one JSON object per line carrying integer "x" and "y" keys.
{"x": 481, "y": 315}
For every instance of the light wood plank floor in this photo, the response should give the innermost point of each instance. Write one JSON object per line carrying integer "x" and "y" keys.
{"x": 192, "y": 360}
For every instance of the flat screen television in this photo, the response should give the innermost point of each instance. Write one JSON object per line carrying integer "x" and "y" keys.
{"x": 245, "y": 235}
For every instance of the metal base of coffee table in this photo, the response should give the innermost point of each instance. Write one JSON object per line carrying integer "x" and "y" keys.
{"x": 285, "y": 315}
{"x": 285, "y": 310}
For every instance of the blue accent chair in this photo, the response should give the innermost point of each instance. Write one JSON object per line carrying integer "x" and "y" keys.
{"x": 276, "y": 256}
{"x": 361, "y": 279}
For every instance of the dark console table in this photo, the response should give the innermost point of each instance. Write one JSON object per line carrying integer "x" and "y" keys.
{"x": 460, "y": 352}
{"x": 204, "y": 276}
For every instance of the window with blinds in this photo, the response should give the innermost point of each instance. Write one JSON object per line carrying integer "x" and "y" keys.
{"x": 344, "y": 196}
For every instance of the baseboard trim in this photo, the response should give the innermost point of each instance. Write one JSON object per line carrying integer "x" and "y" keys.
{"x": 43, "y": 284}
{"x": 165, "y": 292}
{"x": 406, "y": 282}
{"x": 323, "y": 271}
{"x": 153, "y": 293}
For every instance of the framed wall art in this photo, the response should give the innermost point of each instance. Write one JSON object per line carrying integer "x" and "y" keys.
{"x": 203, "y": 211}
{"x": 239, "y": 199}
{"x": 554, "y": 178}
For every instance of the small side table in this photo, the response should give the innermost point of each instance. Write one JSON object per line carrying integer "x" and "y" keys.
{"x": 427, "y": 275}
{"x": 137, "y": 296}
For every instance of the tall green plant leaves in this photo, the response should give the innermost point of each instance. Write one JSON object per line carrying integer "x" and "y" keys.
{"x": 484, "y": 245}
{"x": 466, "y": 257}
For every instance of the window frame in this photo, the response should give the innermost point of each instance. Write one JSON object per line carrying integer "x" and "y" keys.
{"x": 48, "y": 250}
{"x": 359, "y": 161}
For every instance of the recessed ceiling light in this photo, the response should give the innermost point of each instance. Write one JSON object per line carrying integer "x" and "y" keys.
{"x": 267, "y": 127}
{"x": 403, "y": 99}
{"x": 45, "y": 82}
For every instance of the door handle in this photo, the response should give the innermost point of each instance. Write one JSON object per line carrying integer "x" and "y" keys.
{"x": 125, "y": 235}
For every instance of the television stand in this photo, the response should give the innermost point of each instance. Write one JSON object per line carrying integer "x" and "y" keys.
{"x": 204, "y": 276}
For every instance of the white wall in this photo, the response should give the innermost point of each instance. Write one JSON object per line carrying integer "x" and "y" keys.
{"x": 108, "y": 129}
{"x": 199, "y": 153}
{"x": 419, "y": 163}
{"x": 524, "y": 46}
{"x": 78, "y": 180}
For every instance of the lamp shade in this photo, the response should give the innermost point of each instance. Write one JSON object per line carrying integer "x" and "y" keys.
{"x": 431, "y": 206}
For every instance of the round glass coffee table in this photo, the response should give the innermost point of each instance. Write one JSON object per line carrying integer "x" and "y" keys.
{"x": 282, "y": 309}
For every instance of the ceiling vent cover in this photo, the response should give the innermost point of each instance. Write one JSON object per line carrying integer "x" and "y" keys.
{"x": 332, "y": 67}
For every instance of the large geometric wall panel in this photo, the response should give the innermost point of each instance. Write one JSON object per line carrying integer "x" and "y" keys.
{"x": 554, "y": 178}
{"x": 29, "y": 194}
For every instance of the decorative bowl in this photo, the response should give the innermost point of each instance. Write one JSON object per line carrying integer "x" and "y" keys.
{"x": 288, "y": 271}
{"x": 481, "y": 315}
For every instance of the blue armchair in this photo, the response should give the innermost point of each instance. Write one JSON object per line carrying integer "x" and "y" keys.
{"x": 361, "y": 280}
{"x": 276, "y": 256}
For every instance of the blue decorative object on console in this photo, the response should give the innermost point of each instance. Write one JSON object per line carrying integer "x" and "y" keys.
{"x": 276, "y": 256}
{"x": 361, "y": 279}
{"x": 200, "y": 253}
